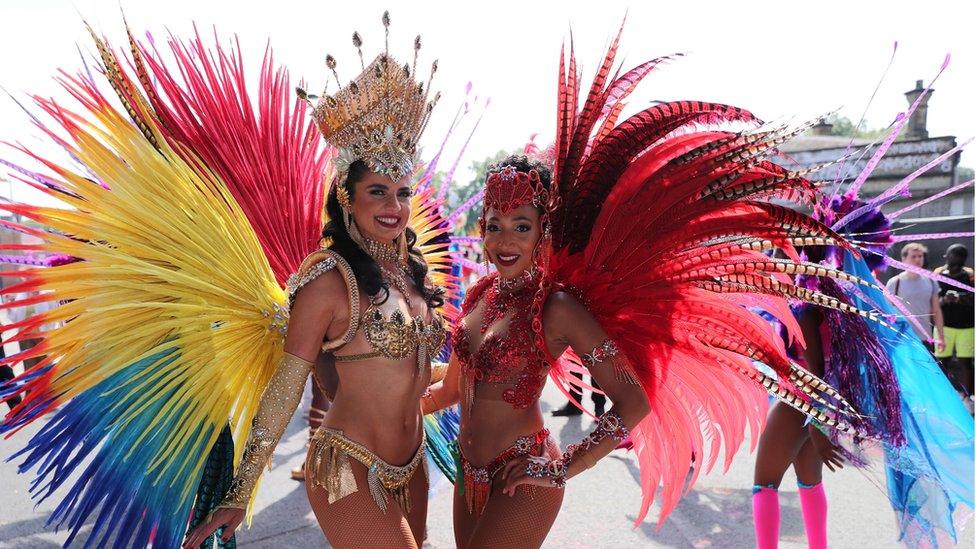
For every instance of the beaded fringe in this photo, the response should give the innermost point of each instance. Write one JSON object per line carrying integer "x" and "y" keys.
{"x": 337, "y": 477}
{"x": 330, "y": 469}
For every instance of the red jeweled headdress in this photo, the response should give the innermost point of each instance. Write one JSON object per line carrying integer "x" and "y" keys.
{"x": 508, "y": 189}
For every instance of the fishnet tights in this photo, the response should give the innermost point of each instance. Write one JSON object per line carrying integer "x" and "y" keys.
{"x": 355, "y": 521}
{"x": 519, "y": 521}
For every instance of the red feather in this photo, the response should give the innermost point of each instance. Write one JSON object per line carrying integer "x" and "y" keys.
{"x": 269, "y": 154}
{"x": 657, "y": 227}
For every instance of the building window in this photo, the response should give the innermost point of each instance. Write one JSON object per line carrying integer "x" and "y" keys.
{"x": 962, "y": 205}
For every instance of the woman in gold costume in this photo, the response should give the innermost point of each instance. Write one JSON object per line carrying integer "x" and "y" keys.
{"x": 364, "y": 323}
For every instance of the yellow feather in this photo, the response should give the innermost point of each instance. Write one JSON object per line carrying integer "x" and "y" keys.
{"x": 169, "y": 262}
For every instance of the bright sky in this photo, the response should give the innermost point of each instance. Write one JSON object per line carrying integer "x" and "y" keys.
{"x": 782, "y": 60}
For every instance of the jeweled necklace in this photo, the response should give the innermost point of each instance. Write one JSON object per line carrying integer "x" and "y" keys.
{"x": 388, "y": 253}
{"x": 381, "y": 252}
{"x": 509, "y": 285}
{"x": 505, "y": 295}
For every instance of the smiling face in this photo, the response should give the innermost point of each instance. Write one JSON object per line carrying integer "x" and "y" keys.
{"x": 510, "y": 239}
{"x": 381, "y": 206}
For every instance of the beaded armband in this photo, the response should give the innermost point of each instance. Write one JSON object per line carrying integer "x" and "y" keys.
{"x": 610, "y": 425}
{"x": 278, "y": 403}
{"x": 608, "y": 350}
{"x": 301, "y": 279}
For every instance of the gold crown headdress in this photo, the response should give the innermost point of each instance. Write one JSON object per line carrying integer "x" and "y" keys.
{"x": 379, "y": 116}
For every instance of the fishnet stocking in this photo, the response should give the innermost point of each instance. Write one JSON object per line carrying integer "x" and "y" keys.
{"x": 355, "y": 521}
{"x": 519, "y": 521}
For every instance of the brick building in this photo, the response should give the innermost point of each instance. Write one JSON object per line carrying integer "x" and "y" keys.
{"x": 913, "y": 149}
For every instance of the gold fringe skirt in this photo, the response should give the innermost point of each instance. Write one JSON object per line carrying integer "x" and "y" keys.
{"x": 329, "y": 467}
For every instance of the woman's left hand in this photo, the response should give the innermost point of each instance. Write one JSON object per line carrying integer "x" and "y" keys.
{"x": 514, "y": 473}
{"x": 829, "y": 452}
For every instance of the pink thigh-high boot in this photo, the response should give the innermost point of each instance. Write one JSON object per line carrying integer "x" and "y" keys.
{"x": 813, "y": 502}
{"x": 765, "y": 516}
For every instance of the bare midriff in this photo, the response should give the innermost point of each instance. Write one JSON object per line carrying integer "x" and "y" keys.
{"x": 502, "y": 374}
{"x": 493, "y": 424}
{"x": 377, "y": 400}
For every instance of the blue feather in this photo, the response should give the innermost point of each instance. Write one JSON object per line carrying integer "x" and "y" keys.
{"x": 442, "y": 430}
{"x": 128, "y": 503}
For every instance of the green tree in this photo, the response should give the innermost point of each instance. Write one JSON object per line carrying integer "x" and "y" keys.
{"x": 841, "y": 125}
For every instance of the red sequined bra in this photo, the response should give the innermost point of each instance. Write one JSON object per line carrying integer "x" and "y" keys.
{"x": 509, "y": 358}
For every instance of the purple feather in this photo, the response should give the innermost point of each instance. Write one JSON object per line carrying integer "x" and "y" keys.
{"x": 468, "y": 204}
{"x": 442, "y": 192}
{"x": 871, "y": 226}
{"x": 428, "y": 175}
{"x": 34, "y": 176}
{"x": 465, "y": 239}
{"x": 901, "y": 188}
{"x": 931, "y": 236}
{"x": 928, "y": 274}
{"x": 862, "y": 373}
{"x": 932, "y": 198}
{"x": 900, "y": 122}
{"x": 39, "y": 261}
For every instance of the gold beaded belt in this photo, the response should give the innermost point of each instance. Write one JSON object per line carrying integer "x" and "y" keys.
{"x": 329, "y": 468}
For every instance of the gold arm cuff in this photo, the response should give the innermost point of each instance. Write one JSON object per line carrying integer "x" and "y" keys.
{"x": 278, "y": 402}
{"x": 289, "y": 361}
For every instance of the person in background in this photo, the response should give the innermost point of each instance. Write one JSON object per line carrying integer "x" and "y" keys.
{"x": 6, "y": 374}
{"x": 920, "y": 295}
{"x": 570, "y": 409}
{"x": 7, "y": 370}
{"x": 957, "y": 310}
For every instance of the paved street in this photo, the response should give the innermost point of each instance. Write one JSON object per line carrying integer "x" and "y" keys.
{"x": 598, "y": 510}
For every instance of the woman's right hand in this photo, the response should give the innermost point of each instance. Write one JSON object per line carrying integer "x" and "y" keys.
{"x": 228, "y": 517}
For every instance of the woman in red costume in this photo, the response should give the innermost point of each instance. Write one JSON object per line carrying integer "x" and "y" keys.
{"x": 498, "y": 374}
{"x": 641, "y": 260}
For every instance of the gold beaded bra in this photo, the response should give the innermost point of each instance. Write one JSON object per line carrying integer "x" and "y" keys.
{"x": 394, "y": 337}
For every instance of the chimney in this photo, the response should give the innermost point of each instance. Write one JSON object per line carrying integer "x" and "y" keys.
{"x": 916, "y": 124}
{"x": 822, "y": 128}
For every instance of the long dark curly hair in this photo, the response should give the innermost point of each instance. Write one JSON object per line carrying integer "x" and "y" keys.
{"x": 365, "y": 269}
